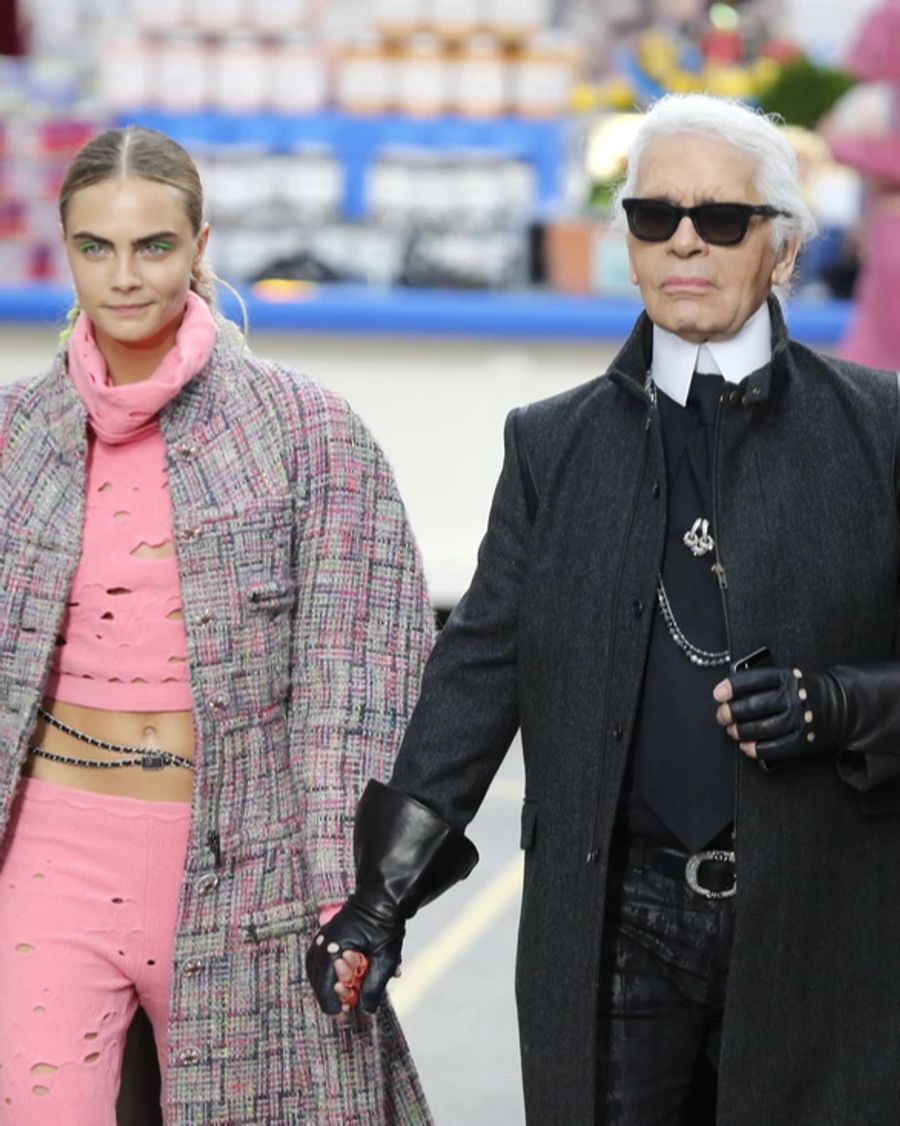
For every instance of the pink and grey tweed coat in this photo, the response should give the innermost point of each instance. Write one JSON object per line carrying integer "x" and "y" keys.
{"x": 308, "y": 625}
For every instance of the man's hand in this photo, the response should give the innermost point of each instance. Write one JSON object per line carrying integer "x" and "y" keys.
{"x": 406, "y": 855}
{"x": 777, "y": 714}
{"x": 354, "y": 956}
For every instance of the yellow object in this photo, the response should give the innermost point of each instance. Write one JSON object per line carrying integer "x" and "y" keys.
{"x": 608, "y": 144}
{"x": 657, "y": 54}
{"x": 764, "y": 71}
{"x": 616, "y": 94}
{"x": 685, "y": 82}
{"x": 585, "y": 97}
{"x": 729, "y": 81}
{"x": 283, "y": 289}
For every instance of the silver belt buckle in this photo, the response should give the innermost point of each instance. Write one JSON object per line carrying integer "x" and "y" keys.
{"x": 692, "y": 867}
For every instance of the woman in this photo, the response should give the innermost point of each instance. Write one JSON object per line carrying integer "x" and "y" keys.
{"x": 212, "y": 626}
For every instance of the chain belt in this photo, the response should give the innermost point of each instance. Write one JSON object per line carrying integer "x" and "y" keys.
{"x": 149, "y": 760}
{"x": 139, "y": 756}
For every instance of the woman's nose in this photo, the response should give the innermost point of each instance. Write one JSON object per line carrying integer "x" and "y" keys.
{"x": 125, "y": 276}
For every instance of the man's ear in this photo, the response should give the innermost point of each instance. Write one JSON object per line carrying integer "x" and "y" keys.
{"x": 785, "y": 262}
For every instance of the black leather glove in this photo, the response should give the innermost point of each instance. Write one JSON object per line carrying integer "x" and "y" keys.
{"x": 789, "y": 713}
{"x": 406, "y": 855}
{"x": 786, "y": 713}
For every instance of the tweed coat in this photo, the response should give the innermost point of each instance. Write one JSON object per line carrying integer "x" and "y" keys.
{"x": 307, "y": 624}
{"x": 552, "y": 637}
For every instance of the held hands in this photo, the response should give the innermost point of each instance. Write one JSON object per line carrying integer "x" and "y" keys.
{"x": 778, "y": 714}
{"x": 350, "y": 968}
{"x": 406, "y": 855}
{"x": 353, "y": 957}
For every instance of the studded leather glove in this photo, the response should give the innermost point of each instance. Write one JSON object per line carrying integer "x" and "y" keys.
{"x": 406, "y": 855}
{"x": 789, "y": 713}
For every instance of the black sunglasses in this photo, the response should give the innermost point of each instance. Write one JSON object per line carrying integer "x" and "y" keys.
{"x": 720, "y": 224}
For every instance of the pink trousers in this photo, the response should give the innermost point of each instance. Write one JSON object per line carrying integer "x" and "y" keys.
{"x": 89, "y": 890}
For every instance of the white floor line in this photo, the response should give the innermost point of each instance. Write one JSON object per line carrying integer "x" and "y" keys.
{"x": 458, "y": 936}
{"x": 509, "y": 789}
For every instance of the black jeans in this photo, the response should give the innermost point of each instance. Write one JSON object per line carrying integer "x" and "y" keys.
{"x": 662, "y": 992}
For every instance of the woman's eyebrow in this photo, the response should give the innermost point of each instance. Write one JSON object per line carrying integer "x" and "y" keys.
{"x": 87, "y": 236}
{"x": 157, "y": 236}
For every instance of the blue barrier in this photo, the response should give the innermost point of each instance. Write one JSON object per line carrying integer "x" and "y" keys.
{"x": 368, "y": 310}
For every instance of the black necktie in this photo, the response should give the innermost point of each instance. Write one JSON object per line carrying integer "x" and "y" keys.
{"x": 686, "y": 767}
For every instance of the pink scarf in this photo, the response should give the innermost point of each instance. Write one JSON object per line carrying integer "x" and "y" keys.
{"x": 118, "y": 413}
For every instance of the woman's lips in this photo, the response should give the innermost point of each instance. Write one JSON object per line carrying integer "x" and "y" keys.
{"x": 128, "y": 310}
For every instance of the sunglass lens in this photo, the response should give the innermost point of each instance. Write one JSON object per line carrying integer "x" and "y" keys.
{"x": 722, "y": 224}
{"x": 653, "y": 220}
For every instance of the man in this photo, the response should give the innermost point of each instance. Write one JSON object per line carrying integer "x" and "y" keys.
{"x": 698, "y": 551}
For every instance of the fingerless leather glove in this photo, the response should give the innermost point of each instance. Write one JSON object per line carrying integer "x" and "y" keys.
{"x": 406, "y": 855}
{"x": 789, "y": 713}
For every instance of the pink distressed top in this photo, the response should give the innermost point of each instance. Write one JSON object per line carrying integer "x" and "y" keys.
{"x": 122, "y": 643}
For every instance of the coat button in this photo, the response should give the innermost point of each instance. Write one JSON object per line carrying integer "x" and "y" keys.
{"x": 192, "y": 969}
{"x": 654, "y": 488}
{"x": 188, "y": 535}
{"x": 186, "y": 450}
{"x": 187, "y": 1057}
{"x": 637, "y": 607}
{"x": 734, "y": 397}
{"x": 204, "y": 618}
{"x": 618, "y": 732}
{"x": 217, "y": 703}
{"x": 207, "y": 883}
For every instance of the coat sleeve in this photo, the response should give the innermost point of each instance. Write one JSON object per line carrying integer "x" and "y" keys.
{"x": 363, "y": 630}
{"x": 468, "y": 712}
{"x": 876, "y": 777}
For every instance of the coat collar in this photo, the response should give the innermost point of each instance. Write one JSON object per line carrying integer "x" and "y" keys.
{"x": 630, "y": 370}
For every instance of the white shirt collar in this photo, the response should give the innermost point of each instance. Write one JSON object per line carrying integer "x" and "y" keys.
{"x": 675, "y": 360}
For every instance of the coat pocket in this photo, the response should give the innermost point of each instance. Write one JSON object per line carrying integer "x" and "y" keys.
{"x": 529, "y": 823}
{"x": 273, "y": 596}
{"x": 277, "y": 922}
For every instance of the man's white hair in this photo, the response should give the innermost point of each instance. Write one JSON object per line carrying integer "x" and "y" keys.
{"x": 777, "y": 177}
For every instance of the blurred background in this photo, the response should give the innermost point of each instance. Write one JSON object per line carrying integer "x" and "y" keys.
{"x": 423, "y": 143}
{"x": 412, "y": 198}
{"x": 413, "y": 195}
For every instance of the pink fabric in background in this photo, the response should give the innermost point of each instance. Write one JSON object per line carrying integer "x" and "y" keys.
{"x": 874, "y": 334}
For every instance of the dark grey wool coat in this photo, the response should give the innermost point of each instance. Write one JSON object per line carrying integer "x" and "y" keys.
{"x": 552, "y": 637}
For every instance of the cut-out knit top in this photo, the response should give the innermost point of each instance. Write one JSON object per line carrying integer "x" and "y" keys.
{"x": 122, "y": 644}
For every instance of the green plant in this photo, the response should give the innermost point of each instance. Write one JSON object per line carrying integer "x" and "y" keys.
{"x": 804, "y": 91}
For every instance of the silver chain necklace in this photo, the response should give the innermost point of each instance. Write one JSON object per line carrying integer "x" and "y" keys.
{"x": 703, "y": 542}
{"x": 705, "y": 658}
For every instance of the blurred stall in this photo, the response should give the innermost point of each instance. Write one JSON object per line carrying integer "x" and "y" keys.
{"x": 864, "y": 132}
{"x": 412, "y": 143}
{"x": 412, "y": 196}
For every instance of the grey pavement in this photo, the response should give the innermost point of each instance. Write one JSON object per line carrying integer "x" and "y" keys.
{"x": 461, "y": 1025}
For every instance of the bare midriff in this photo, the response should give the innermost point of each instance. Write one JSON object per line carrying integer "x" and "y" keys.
{"x": 161, "y": 731}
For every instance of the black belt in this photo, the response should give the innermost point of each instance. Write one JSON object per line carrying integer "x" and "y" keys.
{"x": 709, "y": 873}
